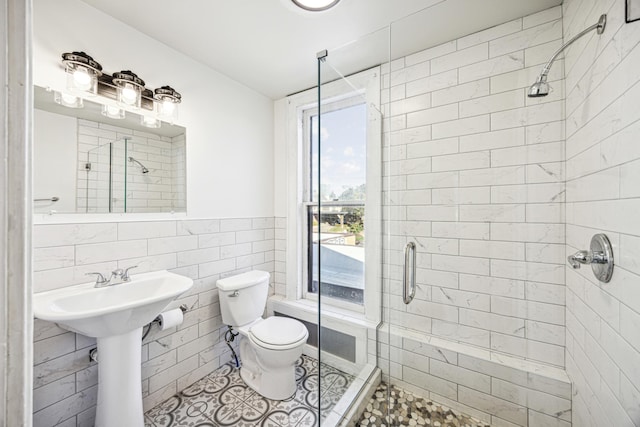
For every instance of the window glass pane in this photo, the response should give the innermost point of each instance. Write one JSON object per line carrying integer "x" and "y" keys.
{"x": 339, "y": 229}
{"x": 342, "y": 240}
{"x": 344, "y": 154}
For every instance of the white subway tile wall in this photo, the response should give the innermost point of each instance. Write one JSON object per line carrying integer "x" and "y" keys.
{"x": 474, "y": 174}
{"x": 603, "y": 320}
{"x": 65, "y": 381}
{"x": 162, "y": 189}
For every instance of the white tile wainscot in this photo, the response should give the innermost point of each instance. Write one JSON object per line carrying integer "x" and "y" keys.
{"x": 65, "y": 381}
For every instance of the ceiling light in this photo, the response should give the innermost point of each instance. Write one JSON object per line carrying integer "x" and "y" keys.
{"x": 82, "y": 72}
{"x": 315, "y": 5}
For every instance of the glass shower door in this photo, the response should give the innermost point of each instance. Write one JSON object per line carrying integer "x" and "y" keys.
{"x": 474, "y": 180}
{"x": 103, "y": 189}
{"x": 346, "y": 215}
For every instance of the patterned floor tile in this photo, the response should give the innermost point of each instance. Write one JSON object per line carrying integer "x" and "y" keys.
{"x": 178, "y": 412}
{"x": 223, "y": 399}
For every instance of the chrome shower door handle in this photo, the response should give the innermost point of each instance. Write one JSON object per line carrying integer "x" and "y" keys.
{"x": 409, "y": 275}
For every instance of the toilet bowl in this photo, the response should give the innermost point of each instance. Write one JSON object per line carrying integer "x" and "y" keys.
{"x": 270, "y": 346}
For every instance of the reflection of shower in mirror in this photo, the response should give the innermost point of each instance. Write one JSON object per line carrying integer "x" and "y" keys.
{"x": 144, "y": 168}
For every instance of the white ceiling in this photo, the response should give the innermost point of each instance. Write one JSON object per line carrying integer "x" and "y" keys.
{"x": 271, "y": 46}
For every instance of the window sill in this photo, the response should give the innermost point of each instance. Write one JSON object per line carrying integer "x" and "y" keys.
{"x": 307, "y": 310}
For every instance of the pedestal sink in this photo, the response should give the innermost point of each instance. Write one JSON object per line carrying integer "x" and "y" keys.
{"x": 115, "y": 316}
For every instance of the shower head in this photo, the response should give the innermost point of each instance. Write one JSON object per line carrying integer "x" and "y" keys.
{"x": 541, "y": 88}
{"x": 143, "y": 167}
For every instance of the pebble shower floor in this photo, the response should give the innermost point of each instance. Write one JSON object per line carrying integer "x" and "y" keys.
{"x": 406, "y": 409}
{"x": 223, "y": 399}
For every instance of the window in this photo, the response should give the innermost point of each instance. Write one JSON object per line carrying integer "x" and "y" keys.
{"x": 348, "y": 229}
{"x": 338, "y": 226}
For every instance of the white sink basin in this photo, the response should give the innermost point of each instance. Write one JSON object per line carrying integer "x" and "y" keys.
{"x": 114, "y": 315}
{"x": 110, "y": 310}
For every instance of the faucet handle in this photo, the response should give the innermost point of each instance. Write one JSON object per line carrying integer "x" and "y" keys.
{"x": 125, "y": 274}
{"x": 580, "y": 257}
{"x": 100, "y": 279}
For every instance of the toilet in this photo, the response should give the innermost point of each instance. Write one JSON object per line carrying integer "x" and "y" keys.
{"x": 270, "y": 347}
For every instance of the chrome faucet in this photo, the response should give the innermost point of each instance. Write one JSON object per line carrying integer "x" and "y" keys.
{"x": 118, "y": 276}
{"x": 100, "y": 280}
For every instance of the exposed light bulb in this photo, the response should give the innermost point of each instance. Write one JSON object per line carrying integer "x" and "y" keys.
{"x": 69, "y": 99}
{"x": 168, "y": 107}
{"x": 150, "y": 122}
{"x": 82, "y": 79}
{"x": 113, "y": 112}
{"x": 129, "y": 96}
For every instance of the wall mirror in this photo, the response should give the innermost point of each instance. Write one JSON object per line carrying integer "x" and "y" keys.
{"x": 85, "y": 162}
{"x": 632, "y": 10}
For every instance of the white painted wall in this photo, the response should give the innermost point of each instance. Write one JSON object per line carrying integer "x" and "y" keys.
{"x": 55, "y": 146}
{"x": 229, "y": 126}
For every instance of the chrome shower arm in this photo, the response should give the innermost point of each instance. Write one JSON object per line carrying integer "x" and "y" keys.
{"x": 602, "y": 22}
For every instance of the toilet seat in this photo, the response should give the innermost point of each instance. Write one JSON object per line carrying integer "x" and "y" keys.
{"x": 278, "y": 333}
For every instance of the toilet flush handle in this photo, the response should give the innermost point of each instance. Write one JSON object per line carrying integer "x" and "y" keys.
{"x": 235, "y": 294}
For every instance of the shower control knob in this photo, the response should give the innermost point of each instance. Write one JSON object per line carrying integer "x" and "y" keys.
{"x": 600, "y": 257}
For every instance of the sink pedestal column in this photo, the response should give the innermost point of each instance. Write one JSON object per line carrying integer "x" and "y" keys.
{"x": 120, "y": 381}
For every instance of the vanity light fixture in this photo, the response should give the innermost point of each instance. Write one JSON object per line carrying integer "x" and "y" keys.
{"x": 113, "y": 112}
{"x": 150, "y": 121}
{"x": 86, "y": 78}
{"x": 67, "y": 100}
{"x": 129, "y": 88}
{"x": 82, "y": 72}
{"x": 315, "y": 5}
{"x": 166, "y": 103}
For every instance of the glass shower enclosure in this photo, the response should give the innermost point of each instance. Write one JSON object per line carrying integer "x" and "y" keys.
{"x": 437, "y": 211}
{"x": 346, "y": 214}
{"x": 105, "y": 183}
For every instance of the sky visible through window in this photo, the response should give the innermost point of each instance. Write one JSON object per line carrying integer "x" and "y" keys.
{"x": 344, "y": 153}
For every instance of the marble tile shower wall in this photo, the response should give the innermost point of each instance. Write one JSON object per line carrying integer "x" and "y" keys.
{"x": 65, "y": 381}
{"x": 160, "y": 190}
{"x": 603, "y": 196}
{"x": 474, "y": 174}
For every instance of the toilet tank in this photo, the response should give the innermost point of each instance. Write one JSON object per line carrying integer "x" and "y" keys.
{"x": 243, "y": 297}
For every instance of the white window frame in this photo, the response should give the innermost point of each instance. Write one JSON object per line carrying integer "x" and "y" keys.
{"x": 337, "y": 94}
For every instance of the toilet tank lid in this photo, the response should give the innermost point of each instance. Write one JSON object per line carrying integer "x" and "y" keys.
{"x": 244, "y": 280}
